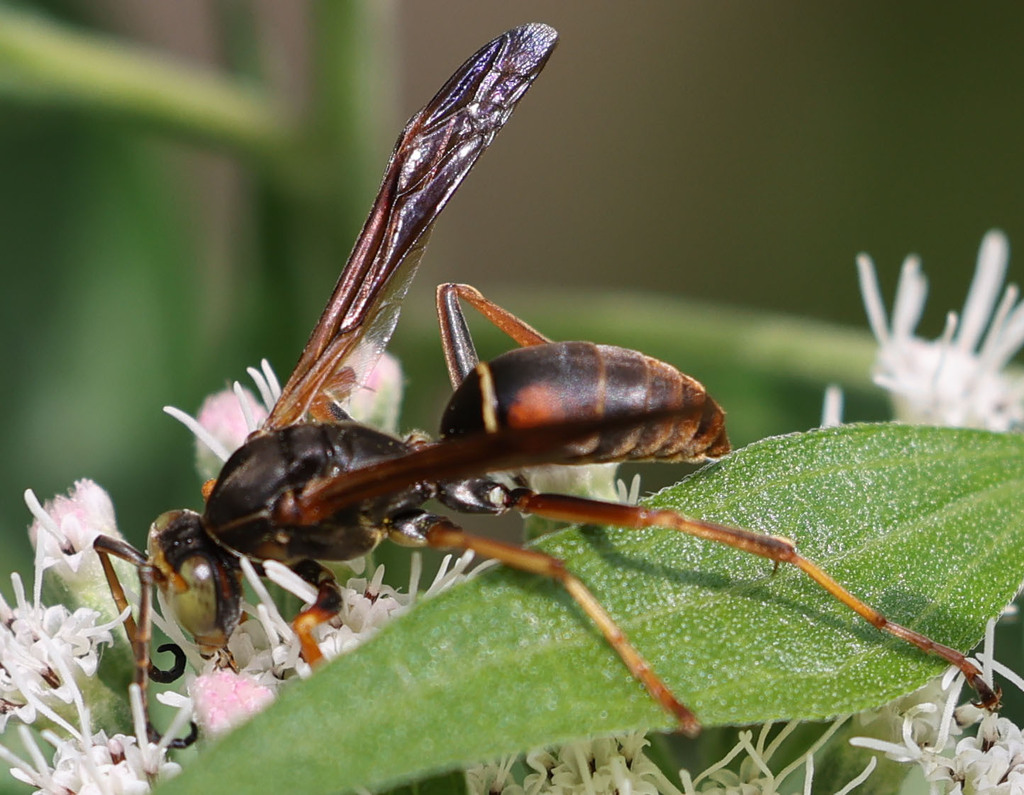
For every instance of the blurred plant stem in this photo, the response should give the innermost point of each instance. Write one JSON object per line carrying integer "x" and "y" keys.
{"x": 45, "y": 61}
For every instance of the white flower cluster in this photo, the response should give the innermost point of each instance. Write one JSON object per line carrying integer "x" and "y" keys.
{"x": 94, "y": 764}
{"x": 265, "y": 652}
{"x": 929, "y": 722}
{"x": 48, "y": 653}
{"x": 619, "y": 765}
{"x": 609, "y": 764}
{"x": 992, "y": 761}
{"x": 49, "y": 657}
{"x": 755, "y": 776}
{"x": 48, "y": 666}
{"x": 44, "y": 653}
{"x": 958, "y": 379}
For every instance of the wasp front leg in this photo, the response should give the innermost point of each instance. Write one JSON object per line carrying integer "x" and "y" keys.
{"x": 140, "y": 632}
{"x": 325, "y": 607}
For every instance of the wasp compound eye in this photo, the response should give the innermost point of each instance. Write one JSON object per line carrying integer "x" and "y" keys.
{"x": 195, "y": 606}
{"x": 198, "y": 578}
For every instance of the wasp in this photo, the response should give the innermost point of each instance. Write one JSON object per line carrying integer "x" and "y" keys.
{"x": 313, "y": 485}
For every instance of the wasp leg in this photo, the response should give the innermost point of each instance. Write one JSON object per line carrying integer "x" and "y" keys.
{"x": 106, "y": 546}
{"x": 424, "y": 529}
{"x": 326, "y": 607}
{"x": 456, "y": 341}
{"x": 775, "y": 548}
{"x": 140, "y": 632}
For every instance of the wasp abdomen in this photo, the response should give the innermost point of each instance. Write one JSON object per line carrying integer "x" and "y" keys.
{"x": 565, "y": 381}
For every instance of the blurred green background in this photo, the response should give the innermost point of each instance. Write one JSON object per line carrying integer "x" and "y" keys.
{"x": 682, "y": 177}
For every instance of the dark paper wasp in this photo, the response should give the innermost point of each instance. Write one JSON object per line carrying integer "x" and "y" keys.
{"x": 313, "y": 485}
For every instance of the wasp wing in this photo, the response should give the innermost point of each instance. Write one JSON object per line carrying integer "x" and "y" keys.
{"x": 438, "y": 147}
{"x": 467, "y": 456}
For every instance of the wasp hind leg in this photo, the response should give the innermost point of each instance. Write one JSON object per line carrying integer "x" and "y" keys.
{"x": 459, "y": 351}
{"x": 778, "y": 549}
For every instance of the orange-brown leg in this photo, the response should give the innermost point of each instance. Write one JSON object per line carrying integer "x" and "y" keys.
{"x": 326, "y": 607}
{"x": 456, "y": 341}
{"x": 443, "y": 534}
{"x": 776, "y": 548}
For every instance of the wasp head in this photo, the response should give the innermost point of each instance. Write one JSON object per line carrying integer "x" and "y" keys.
{"x": 199, "y": 579}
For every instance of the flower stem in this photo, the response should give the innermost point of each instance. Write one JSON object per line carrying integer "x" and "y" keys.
{"x": 46, "y": 62}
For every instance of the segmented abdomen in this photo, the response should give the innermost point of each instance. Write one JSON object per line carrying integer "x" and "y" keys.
{"x": 565, "y": 381}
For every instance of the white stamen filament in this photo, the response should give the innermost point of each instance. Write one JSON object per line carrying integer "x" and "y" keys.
{"x": 199, "y": 432}
{"x": 245, "y": 407}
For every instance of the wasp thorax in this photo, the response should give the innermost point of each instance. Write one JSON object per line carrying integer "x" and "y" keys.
{"x": 199, "y": 579}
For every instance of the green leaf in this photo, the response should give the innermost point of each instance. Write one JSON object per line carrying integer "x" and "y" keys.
{"x": 925, "y": 524}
